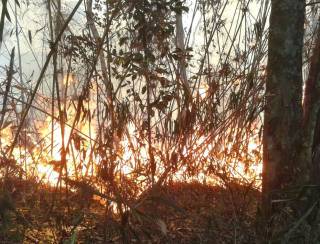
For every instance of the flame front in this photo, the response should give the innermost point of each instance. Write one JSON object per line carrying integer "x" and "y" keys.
{"x": 42, "y": 156}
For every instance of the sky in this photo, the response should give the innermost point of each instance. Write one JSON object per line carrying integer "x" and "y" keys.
{"x": 32, "y": 20}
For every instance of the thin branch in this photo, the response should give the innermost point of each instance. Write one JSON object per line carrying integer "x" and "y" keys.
{"x": 43, "y": 71}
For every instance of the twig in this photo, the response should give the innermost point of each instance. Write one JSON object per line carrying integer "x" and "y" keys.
{"x": 8, "y": 85}
{"x": 43, "y": 71}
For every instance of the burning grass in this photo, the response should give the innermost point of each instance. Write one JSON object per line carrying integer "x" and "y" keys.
{"x": 111, "y": 141}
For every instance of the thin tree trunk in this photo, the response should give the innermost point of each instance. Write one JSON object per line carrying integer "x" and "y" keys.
{"x": 97, "y": 38}
{"x": 311, "y": 108}
{"x": 182, "y": 72}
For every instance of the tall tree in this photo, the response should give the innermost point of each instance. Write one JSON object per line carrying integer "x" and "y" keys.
{"x": 283, "y": 109}
{"x": 311, "y": 111}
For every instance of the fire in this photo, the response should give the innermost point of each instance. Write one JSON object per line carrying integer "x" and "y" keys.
{"x": 128, "y": 149}
{"x": 39, "y": 153}
{"x": 203, "y": 90}
{"x": 68, "y": 80}
{"x": 52, "y": 134}
{"x": 5, "y": 136}
{"x": 44, "y": 158}
{"x": 79, "y": 148}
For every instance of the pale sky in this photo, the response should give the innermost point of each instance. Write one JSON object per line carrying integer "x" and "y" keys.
{"x": 33, "y": 19}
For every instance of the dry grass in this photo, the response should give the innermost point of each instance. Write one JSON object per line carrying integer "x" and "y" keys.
{"x": 176, "y": 213}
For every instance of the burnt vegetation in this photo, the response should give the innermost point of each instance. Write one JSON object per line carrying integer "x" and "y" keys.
{"x": 148, "y": 121}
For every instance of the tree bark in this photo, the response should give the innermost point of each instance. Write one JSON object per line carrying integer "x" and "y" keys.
{"x": 283, "y": 102}
{"x": 311, "y": 109}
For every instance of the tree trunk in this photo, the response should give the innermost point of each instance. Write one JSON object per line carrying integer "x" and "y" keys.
{"x": 283, "y": 108}
{"x": 311, "y": 112}
{"x": 182, "y": 72}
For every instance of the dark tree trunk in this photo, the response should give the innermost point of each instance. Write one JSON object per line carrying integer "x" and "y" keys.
{"x": 283, "y": 108}
{"x": 311, "y": 108}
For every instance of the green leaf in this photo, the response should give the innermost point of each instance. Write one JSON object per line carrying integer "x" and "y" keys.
{"x": 7, "y": 13}
{"x": 30, "y": 36}
{"x": 144, "y": 89}
{"x": 123, "y": 40}
{"x": 3, "y": 14}
{"x": 17, "y": 2}
{"x": 72, "y": 239}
